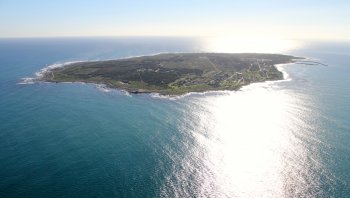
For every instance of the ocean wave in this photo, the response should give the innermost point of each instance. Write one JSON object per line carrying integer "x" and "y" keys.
{"x": 167, "y": 97}
{"x": 27, "y": 81}
{"x": 103, "y": 88}
{"x": 125, "y": 93}
{"x": 190, "y": 94}
{"x": 39, "y": 74}
{"x": 48, "y": 68}
{"x": 280, "y": 67}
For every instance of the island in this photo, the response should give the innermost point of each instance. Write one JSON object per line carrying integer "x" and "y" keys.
{"x": 175, "y": 73}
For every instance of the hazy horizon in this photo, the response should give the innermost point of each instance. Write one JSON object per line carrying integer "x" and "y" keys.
{"x": 240, "y": 19}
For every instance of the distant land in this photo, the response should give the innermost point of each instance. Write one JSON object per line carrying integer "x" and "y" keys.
{"x": 175, "y": 73}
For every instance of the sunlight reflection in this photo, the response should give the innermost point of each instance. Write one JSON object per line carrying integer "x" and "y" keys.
{"x": 247, "y": 143}
{"x": 245, "y": 137}
{"x": 241, "y": 45}
{"x": 250, "y": 141}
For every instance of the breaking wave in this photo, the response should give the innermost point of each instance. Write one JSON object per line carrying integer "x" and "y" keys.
{"x": 39, "y": 74}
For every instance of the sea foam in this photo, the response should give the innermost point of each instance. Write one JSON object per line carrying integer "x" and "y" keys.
{"x": 39, "y": 74}
{"x": 48, "y": 68}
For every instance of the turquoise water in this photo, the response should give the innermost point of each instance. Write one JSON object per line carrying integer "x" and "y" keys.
{"x": 278, "y": 139}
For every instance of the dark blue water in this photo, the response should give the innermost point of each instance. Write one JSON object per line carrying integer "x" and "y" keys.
{"x": 282, "y": 139}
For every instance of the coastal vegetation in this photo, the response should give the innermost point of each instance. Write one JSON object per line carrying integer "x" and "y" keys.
{"x": 175, "y": 73}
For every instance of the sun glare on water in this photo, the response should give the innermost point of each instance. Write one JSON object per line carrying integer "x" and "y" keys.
{"x": 252, "y": 138}
{"x": 243, "y": 145}
{"x": 248, "y": 45}
{"x": 248, "y": 145}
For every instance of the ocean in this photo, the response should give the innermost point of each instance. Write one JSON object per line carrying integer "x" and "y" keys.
{"x": 288, "y": 138}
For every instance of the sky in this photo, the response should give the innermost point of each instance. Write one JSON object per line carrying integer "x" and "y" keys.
{"x": 286, "y": 19}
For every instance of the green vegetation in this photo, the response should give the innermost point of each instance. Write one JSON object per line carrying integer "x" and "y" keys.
{"x": 175, "y": 74}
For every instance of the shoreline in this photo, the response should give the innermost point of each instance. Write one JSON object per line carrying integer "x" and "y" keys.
{"x": 46, "y": 74}
{"x": 142, "y": 91}
{"x": 105, "y": 88}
